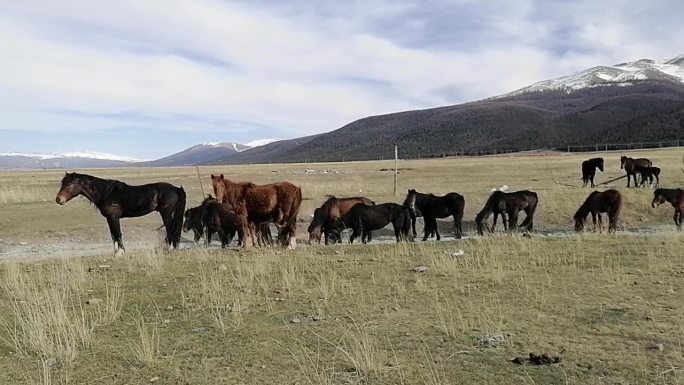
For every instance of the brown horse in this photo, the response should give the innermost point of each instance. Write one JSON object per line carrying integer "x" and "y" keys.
{"x": 673, "y": 196}
{"x": 255, "y": 205}
{"x": 609, "y": 201}
{"x": 630, "y": 165}
{"x": 508, "y": 205}
{"x": 330, "y": 211}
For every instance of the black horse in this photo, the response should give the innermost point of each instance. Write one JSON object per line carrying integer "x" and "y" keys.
{"x": 508, "y": 205}
{"x": 675, "y": 197}
{"x": 589, "y": 170}
{"x": 193, "y": 221}
{"x": 220, "y": 218}
{"x": 117, "y": 200}
{"x": 648, "y": 174}
{"x": 363, "y": 219}
{"x": 432, "y": 207}
{"x": 630, "y": 165}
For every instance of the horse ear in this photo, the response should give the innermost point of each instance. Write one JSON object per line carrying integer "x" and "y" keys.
{"x": 221, "y": 177}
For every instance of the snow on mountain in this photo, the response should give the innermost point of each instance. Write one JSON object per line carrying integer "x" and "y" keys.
{"x": 75, "y": 154}
{"x": 261, "y": 142}
{"x": 622, "y": 74}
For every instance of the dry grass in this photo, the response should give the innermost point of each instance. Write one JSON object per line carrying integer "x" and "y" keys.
{"x": 353, "y": 314}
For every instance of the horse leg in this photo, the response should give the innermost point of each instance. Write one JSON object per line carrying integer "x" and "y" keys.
{"x": 413, "y": 225}
{"x": 115, "y": 231}
{"x": 513, "y": 220}
{"x": 678, "y": 220}
{"x": 600, "y": 222}
{"x": 496, "y": 215}
{"x": 434, "y": 226}
{"x": 355, "y": 233}
{"x": 628, "y": 176}
{"x": 591, "y": 178}
{"x": 427, "y": 228}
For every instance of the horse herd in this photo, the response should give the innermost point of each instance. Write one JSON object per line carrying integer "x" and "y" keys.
{"x": 247, "y": 209}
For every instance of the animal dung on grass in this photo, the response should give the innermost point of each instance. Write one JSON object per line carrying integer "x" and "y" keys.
{"x": 536, "y": 359}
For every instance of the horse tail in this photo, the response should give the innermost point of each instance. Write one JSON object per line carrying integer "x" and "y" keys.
{"x": 177, "y": 218}
{"x": 406, "y": 223}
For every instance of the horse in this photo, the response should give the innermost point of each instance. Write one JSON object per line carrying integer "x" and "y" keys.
{"x": 648, "y": 173}
{"x": 589, "y": 170}
{"x": 331, "y": 210}
{"x": 673, "y": 196}
{"x": 363, "y": 219}
{"x": 255, "y": 205}
{"x": 508, "y": 205}
{"x": 115, "y": 200}
{"x": 193, "y": 221}
{"x": 432, "y": 207}
{"x": 609, "y": 201}
{"x": 629, "y": 165}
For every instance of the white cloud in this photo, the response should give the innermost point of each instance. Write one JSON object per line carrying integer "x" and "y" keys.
{"x": 303, "y": 69}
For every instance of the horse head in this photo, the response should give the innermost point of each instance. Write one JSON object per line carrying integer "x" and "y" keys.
{"x": 623, "y": 160}
{"x": 579, "y": 221}
{"x": 315, "y": 226}
{"x": 600, "y": 164}
{"x": 71, "y": 187}
{"x": 219, "y": 185}
{"x": 658, "y": 198}
{"x": 410, "y": 201}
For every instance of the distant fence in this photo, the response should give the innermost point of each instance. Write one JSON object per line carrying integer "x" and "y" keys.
{"x": 623, "y": 146}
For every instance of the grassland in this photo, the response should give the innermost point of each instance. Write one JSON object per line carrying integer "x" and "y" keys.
{"x": 346, "y": 314}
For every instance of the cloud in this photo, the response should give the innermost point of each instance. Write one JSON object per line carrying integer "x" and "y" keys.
{"x": 245, "y": 70}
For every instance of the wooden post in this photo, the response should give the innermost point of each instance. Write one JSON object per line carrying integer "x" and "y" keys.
{"x": 396, "y": 170}
{"x": 200, "y": 180}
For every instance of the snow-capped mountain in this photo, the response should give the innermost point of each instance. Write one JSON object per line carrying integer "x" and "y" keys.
{"x": 78, "y": 159}
{"x": 261, "y": 142}
{"x": 622, "y": 74}
{"x": 198, "y": 154}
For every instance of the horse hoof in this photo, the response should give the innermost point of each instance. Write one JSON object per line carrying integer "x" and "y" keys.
{"x": 119, "y": 252}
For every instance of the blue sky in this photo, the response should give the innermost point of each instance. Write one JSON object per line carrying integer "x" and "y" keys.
{"x": 148, "y": 78}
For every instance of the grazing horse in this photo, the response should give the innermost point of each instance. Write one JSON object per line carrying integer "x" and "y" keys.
{"x": 508, "y": 205}
{"x": 675, "y": 197}
{"x": 193, "y": 221}
{"x": 255, "y": 205}
{"x": 363, "y": 219}
{"x": 609, "y": 201}
{"x": 629, "y": 165}
{"x": 589, "y": 170}
{"x": 432, "y": 207}
{"x": 332, "y": 210}
{"x": 648, "y": 173}
{"x": 117, "y": 200}
{"x": 220, "y": 218}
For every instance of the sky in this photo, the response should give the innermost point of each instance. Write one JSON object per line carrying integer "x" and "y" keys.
{"x": 148, "y": 78}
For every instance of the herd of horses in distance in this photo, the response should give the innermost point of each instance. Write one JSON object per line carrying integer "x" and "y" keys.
{"x": 247, "y": 209}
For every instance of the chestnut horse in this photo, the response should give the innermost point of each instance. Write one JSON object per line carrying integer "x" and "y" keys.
{"x": 117, "y": 200}
{"x": 331, "y": 210}
{"x": 630, "y": 165}
{"x": 609, "y": 201}
{"x": 673, "y": 196}
{"x": 258, "y": 204}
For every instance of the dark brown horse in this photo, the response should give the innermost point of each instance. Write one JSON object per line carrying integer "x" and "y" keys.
{"x": 330, "y": 211}
{"x": 648, "y": 174}
{"x": 589, "y": 170}
{"x": 508, "y": 205}
{"x": 432, "y": 207}
{"x": 364, "y": 219}
{"x": 117, "y": 200}
{"x": 630, "y": 164}
{"x": 609, "y": 201}
{"x": 254, "y": 205}
{"x": 673, "y": 196}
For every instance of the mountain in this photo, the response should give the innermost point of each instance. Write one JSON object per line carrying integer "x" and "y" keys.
{"x": 80, "y": 159}
{"x": 198, "y": 154}
{"x": 640, "y": 101}
{"x": 261, "y": 142}
{"x": 620, "y": 74}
